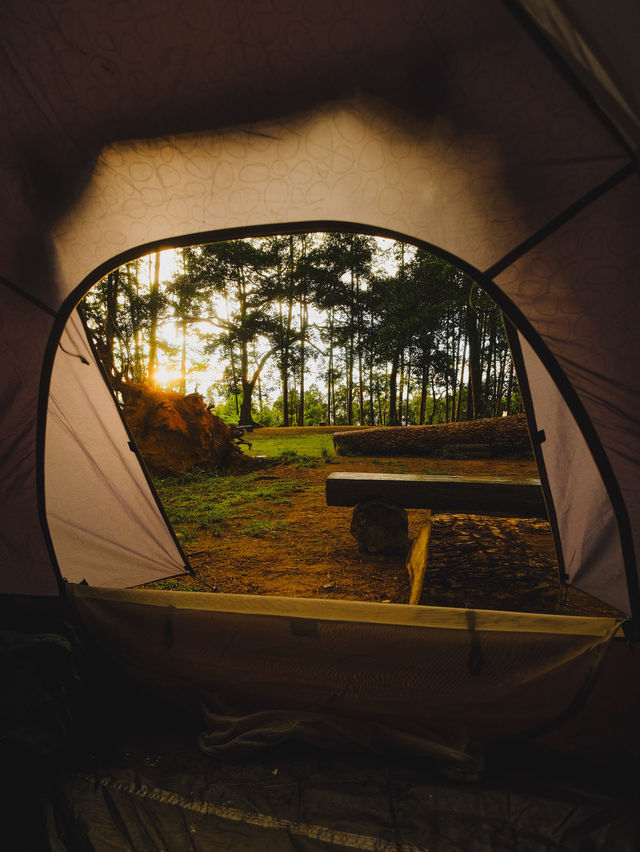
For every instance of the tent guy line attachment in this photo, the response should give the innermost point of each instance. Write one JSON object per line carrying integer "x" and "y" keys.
{"x": 74, "y": 354}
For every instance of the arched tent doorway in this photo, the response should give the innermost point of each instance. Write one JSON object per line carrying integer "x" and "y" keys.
{"x": 464, "y": 134}
{"x": 127, "y": 543}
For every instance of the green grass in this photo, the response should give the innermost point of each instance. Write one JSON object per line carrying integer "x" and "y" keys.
{"x": 259, "y": 529}
{"x": 200, "y": 501}
{"x": 173, "y": 584}
{"x": 316, "y": 445}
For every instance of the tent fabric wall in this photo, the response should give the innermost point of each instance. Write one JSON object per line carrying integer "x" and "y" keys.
{"x": 473, "y": 674}
{"x": 24, "y": 552}
{"x": 445, "y": 123}
{"x": 106, "y": 528}
{"x": 578, "y": 290}
{"x": 588, "y": 534}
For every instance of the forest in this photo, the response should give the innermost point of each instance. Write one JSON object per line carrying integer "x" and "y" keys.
{"x": 308, "y": 329}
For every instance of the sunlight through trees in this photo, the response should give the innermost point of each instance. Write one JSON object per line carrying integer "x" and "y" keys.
{"x": 306, "y": 329}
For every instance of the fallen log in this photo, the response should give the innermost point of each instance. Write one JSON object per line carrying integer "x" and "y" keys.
{"x": 499, "y": 436}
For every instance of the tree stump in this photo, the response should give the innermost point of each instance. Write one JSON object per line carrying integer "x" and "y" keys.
{"x": 380, "y": 526}
{"x": 175, "y": 433}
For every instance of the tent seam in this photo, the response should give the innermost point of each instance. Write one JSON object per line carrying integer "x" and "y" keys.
{"x": 27, "y": 296}
{"x": 561, "y": 219}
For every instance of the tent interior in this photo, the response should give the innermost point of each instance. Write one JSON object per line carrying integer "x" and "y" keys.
{"x": 506, "y": 137}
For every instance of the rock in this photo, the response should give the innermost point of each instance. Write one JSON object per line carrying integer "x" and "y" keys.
{"x": 380, "y": 526}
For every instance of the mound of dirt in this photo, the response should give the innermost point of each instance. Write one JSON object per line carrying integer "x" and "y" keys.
{"x": 175, "y": 433}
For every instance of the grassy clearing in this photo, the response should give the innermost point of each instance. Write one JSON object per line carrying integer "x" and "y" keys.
{"x": 313, "y": 445}
{"x": 200, "y": 501}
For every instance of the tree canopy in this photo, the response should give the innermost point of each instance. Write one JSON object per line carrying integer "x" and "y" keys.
{"x": 311, "y": 328}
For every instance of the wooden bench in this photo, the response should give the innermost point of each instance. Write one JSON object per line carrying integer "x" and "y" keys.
{"x": 488, "y": 495}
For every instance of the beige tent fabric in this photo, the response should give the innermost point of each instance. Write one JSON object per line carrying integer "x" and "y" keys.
{"x": 591, "y": 552}
{"x": 479, "y": 673}
{"x": 24, "y": 553}
{"x": 578, "y": 290}
{"x": 106, "y": 528}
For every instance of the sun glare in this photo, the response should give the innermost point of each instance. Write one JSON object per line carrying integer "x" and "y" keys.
{"x": 166, "y": 377}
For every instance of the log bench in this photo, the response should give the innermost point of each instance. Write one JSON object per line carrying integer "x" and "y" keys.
{"x": 487, "y": 495}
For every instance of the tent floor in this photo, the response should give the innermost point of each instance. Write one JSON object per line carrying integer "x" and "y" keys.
{"x": 147, "y": 786}
{"x": 164, "y": 794}
{"x": 132, "y": 776}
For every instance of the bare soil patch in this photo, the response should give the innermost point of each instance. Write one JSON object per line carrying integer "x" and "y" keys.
{"x": 303, "y": 548}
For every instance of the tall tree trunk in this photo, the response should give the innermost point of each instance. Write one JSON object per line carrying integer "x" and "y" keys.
{"x": 246, "y": 418}
{"x": 447, "y": 399}
{"x": 247, "y": 387}
{"x": 349, "y": 380}
{"x": 303, "y": 332}
{"x": 434, "y": 401}
{"x": 491, "y": 345}
{"x": 287, "y": 416}
{"x": 400, "y": 388}
{"x": 351, "y": 353}
{"x": 372, "y": 413}
{"x": 183, "y": 357}
{"x": 424, "y": 391}
{"x": 499, "y": 387}
{"x": 285, "y": 394}
{"x": 329, "y": 372}
{"x": 154, "y": 294}
{"x": 110, "y": 323}
{"x": 510, "y": 386}
{"x": 333, "y": 399}
{"x": 454, "y": 372}
{"x": 393, "y": 390}
{"x": 407, "y": 411}
{"x": 284, "y": 367}
{"x": 258, "y": 385}
{"x": 360, "y": 384}
{"x": 461, "y": 383}
{"x": 474, "y": 403}
{"x": 331, "y": 379}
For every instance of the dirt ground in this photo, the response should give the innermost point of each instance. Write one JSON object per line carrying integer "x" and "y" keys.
{"x": 474, "y": 561}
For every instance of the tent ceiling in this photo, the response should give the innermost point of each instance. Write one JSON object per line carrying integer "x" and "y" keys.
{"x": 599, "y": 42}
